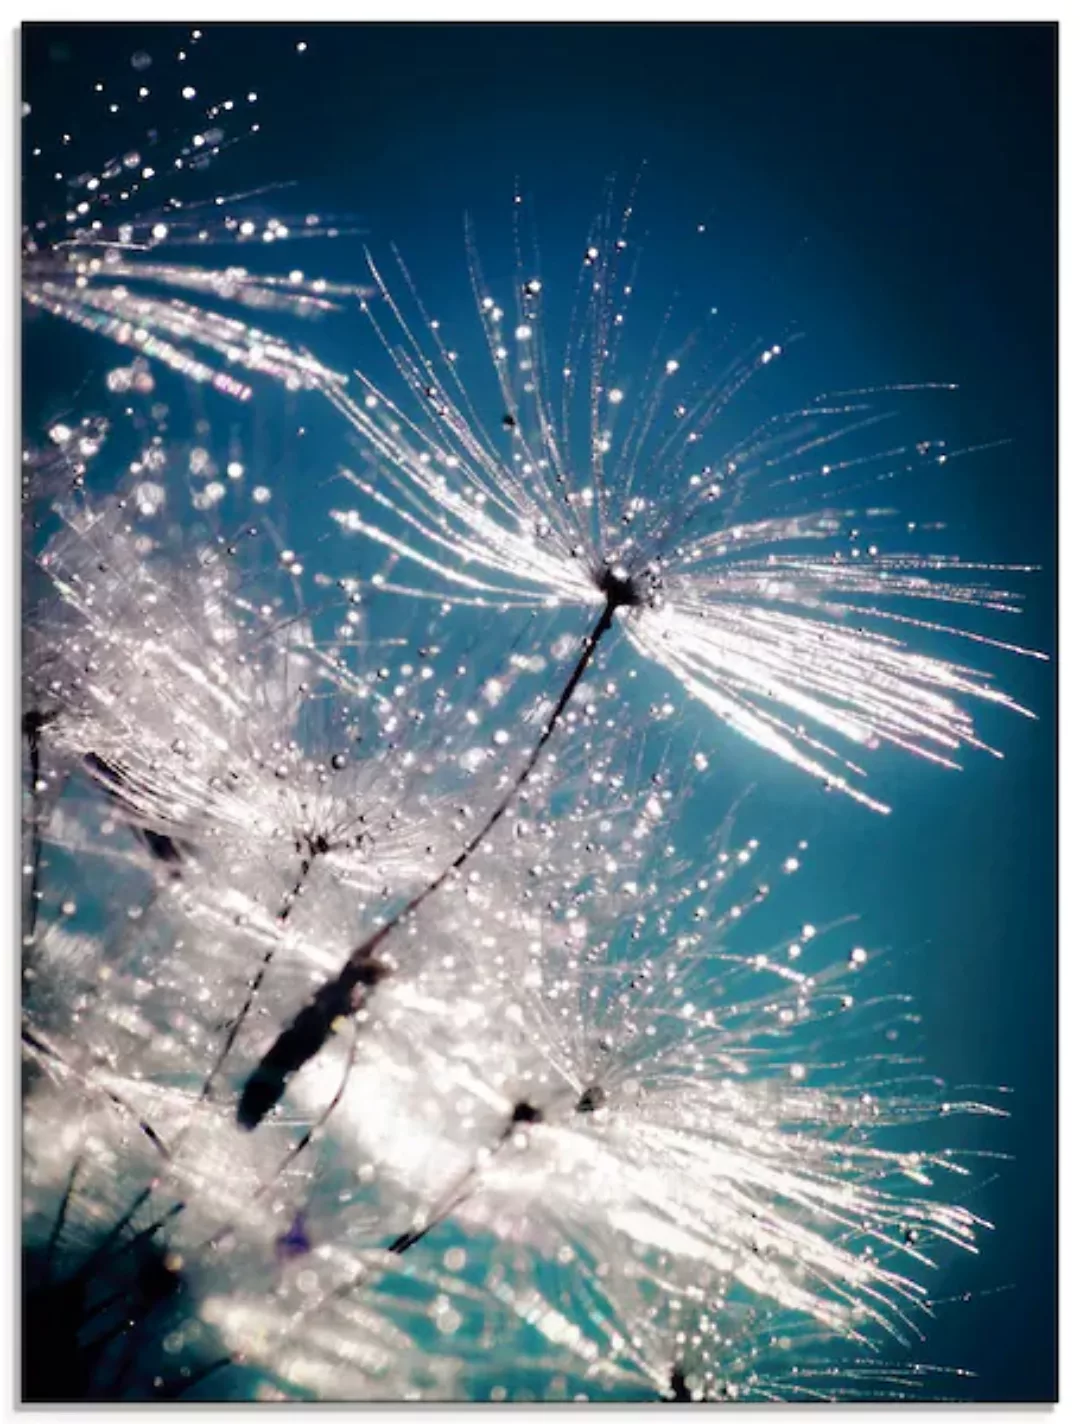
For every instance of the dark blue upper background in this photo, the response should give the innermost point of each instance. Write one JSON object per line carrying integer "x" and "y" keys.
{"x": 889, "y": 189}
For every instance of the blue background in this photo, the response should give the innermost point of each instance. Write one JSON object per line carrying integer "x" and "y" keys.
{"x": 889, "y": 191}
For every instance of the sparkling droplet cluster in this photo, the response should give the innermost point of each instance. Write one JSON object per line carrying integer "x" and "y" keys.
{"x": 119, "y": 259}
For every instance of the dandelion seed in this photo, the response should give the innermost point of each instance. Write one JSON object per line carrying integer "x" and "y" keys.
{"x": 635, "y": 1127}
{"x": 103, "y": 277}
{"x": 183, "y": 728}
{"x": 768, "y": 638}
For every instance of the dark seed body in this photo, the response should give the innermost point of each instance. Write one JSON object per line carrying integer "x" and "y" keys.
{"x": 303, "y": 1038}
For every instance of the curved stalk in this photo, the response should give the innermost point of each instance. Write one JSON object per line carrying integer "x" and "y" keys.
{"x": 256, "y": 983}
{"x": 342, "y": 996}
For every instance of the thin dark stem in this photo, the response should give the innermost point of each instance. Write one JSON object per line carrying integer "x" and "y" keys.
{"x": 133, "y": 1331}
{"x": 38, "y": 1044}
{"x": 180, "y": 1387}
{"x": 338, "y": 998}
{"x": 141, "y": 1237}
{"x": 117, "y": 1230}
{"x": 523, "y": 1114}
{"x": 408, "y": 1239}
{"x": 256, "y": 984}
{"x": 61, "y": 1217}
{"x": 116, "y": 784}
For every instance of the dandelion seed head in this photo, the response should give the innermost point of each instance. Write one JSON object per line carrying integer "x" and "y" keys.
{"x": 623, "y": 1069}
{"x": 754, "y": 616}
